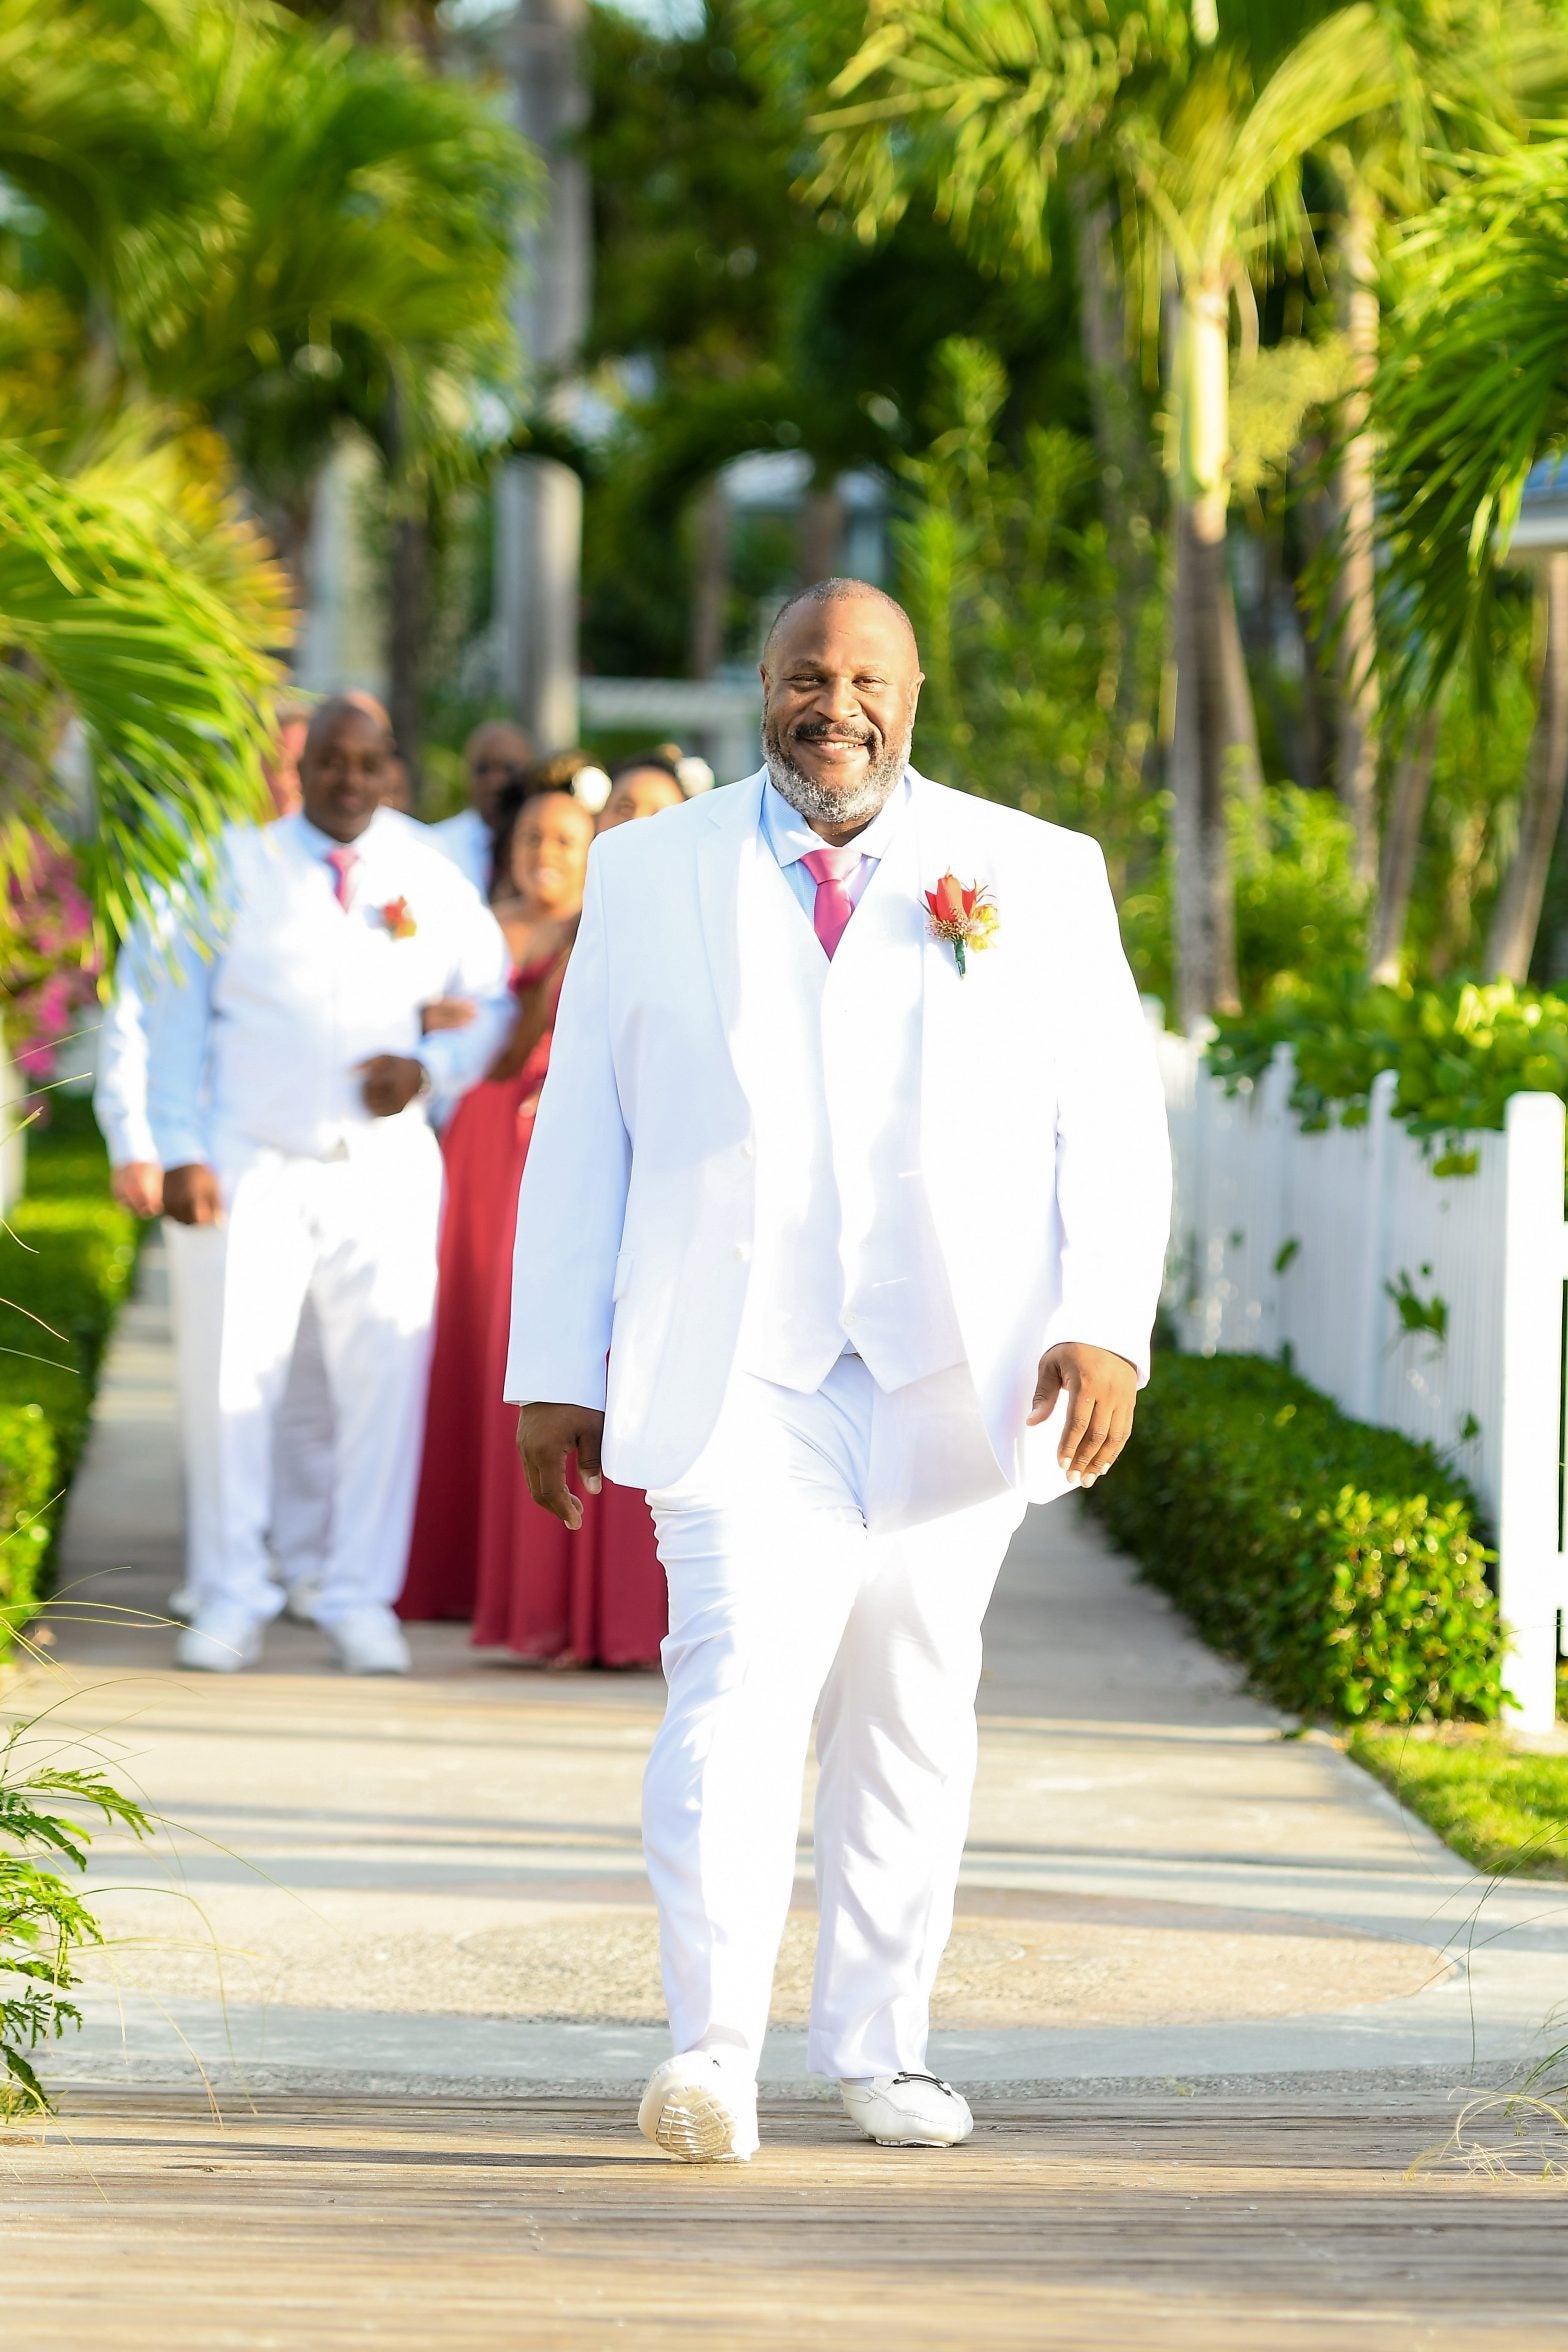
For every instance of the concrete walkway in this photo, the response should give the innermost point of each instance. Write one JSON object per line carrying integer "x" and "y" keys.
{"x": 436, "y": 1886}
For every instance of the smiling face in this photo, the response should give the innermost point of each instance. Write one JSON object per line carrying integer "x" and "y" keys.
{"x": 549, "y": 853}
{"x": 840, "y": 681}
{"x": 343, "y": 770}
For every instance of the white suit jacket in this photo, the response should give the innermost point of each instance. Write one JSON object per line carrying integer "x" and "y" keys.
{"x": 1045, "y": 1154}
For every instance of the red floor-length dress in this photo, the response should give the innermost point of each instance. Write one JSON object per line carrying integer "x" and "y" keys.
{"x": 482, "y": 1548}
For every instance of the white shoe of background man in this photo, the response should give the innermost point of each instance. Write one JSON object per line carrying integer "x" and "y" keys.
{"x": 369, "y": 1640}
{"x": 221, "y": 1638}
{"x": 699, "y": 2109}
{"x": 908, "y": 2111}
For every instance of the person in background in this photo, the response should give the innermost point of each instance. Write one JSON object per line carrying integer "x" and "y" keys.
{"x": 287, "y": 1082}
{"x": 641, "y": 787}
{"x": 496, "y": 755}
{"x": 542, "y": 861}
{"x": 302, "y": 1473}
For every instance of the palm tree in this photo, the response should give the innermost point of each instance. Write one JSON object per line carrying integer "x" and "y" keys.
{"x": 1471, "y": 75}
{"x": 1202, "y": 124}
{"x": 292, "y": 231}
{"x": 1472, "y": 389}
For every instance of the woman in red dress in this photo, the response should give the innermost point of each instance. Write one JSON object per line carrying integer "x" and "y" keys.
{"x": 480, "y": 1547}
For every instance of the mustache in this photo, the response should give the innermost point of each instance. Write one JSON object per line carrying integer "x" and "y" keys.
{"x": 819, "y": 731}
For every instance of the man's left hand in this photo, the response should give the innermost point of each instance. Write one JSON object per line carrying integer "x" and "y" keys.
{"x": 1101, "y": 1389}
{"x": 390, "y": 1083}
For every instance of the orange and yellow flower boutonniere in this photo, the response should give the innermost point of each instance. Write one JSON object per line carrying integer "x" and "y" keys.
{"x": 964, "y": 915}
{"x": 398, "y": 918}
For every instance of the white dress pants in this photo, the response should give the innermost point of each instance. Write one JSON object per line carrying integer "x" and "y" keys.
{"x": 781, "y": 1596}
{"x": 301, "y": 1515}
{"x": 351, "y": 1241}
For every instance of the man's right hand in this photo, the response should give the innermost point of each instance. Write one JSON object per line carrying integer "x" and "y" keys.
{"x": 546, "y": 1436}
{"x": 191, "y": 1195}
{"x": 138, "y": 1186}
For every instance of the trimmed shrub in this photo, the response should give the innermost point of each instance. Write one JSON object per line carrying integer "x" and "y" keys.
{"x": 67, "y": 1260}
{"x": 1339, "y": 1563}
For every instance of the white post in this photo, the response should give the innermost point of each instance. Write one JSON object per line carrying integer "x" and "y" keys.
{"x": 1370, "y": 1305}
{"x": 1535, "y": 1262}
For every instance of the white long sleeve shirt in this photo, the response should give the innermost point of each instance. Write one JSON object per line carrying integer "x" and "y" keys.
{"x": 120, "y": 1059}
{"x": 280, "y": 992}
{"x": 465, "y": 839}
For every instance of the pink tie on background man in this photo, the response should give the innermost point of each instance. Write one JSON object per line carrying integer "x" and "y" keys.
{"x": 831, "y": 869}
{"x": 342, "y": 861}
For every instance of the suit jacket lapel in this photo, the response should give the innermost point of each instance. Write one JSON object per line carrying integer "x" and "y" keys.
{"x": 948, "y": 1017}
{"x": 726, "y": 858}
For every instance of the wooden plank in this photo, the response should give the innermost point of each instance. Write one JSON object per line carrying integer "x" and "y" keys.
{"x": 139, "y": 2221}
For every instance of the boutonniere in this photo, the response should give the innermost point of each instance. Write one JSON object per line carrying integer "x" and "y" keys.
{"x": 398, "y": 919}
{"x": 964, "y": 915}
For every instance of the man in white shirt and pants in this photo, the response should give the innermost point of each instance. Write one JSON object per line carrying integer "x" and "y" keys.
{"x": 852, "y": 1160}
{"x": 288, "y": 1077}
{"x": 298, "y": 1532}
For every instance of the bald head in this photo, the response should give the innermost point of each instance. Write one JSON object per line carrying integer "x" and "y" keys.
{"x": 343, "y": 767}
{"x": 840, "y": 681}
{"x": 842, "y": 592}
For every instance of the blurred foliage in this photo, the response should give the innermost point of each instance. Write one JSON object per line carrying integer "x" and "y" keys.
{"x": 1341, "y": 1564}
{"x": 225, "y": 236}
{"x": 1299, "y": 908}
{"x": 67, "y": 1253}
{"x": 1003, "y": 563}
{"x": 730, "y": 316}
{"x": 1460, "y": 1050}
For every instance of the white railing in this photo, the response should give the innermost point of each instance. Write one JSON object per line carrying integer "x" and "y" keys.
{"x": 1425, "y": 1303}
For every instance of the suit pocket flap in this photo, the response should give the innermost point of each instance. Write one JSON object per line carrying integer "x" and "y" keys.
{"x": 623, "y": 1273}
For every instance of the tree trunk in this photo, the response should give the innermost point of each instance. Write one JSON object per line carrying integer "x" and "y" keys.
{"x": 1407, "y": 801}
{"x": 1128, "y": 482}
{"x": 1354, "y": 607}
{"x": 1517, "y": 914}
{"x": 1243, "y": 760}
{"x": 1202, "y": 739}
{"x": 538, "y": 558}
{"x": 821, "y": 532}
{"x": 408, "y": 616}
{"x": 710, "y": 579}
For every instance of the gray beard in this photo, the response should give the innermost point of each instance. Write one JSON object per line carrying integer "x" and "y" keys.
{"x": 819, "y": 803}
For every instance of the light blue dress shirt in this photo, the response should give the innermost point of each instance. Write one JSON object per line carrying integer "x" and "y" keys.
{"x": 790, "y": 838}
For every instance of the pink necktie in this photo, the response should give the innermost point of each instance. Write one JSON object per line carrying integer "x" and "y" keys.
{"x": 830, "y": 869}
{"x": 342, "y": 862}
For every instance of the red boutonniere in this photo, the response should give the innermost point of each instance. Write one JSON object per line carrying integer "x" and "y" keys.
{"x": 398, "y": 919}
{"x": 964, "y": 915}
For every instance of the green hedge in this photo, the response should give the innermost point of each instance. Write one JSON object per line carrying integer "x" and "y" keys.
{"x": 1340, "y": 1564}
{"x": 67, "y": 1259}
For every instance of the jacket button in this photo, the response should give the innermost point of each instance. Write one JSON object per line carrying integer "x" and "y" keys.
{"x": 748, "y": 1150}
{"x": 743, "y": 1250}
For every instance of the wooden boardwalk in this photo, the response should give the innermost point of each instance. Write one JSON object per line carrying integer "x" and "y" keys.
{"x": 138, "y": 2221}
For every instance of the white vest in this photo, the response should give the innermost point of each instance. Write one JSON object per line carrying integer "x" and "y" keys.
{"x": 845, "y": 1252}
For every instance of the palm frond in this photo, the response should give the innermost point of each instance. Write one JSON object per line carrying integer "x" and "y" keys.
{"x": 99, "y": 619}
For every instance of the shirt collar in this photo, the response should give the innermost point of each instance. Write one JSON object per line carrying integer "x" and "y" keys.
{"x": 790, "y": 837}
{"x": 317, "y": 844}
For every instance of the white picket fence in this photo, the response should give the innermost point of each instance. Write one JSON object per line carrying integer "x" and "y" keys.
{"x": 1430, "y": 1304}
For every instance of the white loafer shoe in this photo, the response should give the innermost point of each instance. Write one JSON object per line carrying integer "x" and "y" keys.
{"x": 908, "y": 2111}
{"x": 696, "y": 2108}
{"x": 369, "y": 1641}
{"x": 222, "y": 1639}
{"x": 300, "y": 1598}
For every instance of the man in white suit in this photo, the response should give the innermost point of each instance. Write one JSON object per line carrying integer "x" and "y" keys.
{"x": 289, "y": 1078}
{"x": 853, "y": 1163}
